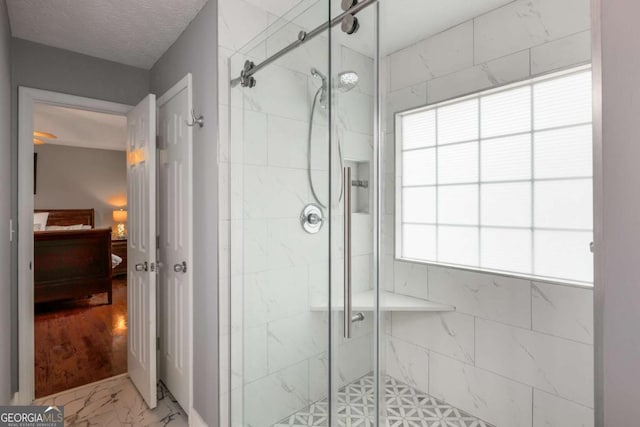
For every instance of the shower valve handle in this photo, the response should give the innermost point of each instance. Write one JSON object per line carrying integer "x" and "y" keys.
{"x": 314, "y": 218}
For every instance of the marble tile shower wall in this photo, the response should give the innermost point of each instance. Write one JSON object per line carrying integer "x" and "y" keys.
{"x": 515, "y": 352}
{"x": 277, "y": 344}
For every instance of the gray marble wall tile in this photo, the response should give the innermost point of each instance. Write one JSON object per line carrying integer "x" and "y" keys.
{"x": 319, "y": 377}
{"x": 407, "y": 362}
{"x": 490, "y": 74}
{"x": 296, "y": 338}
{"x": 551, "y": 364}
{"x": 255, "y": 353}
{"x": 387, "y": 273}
{"x": 444, "y": 53}
{"x": 411, "y": 279}
{"x": 527, "y": 23}
{"x": 491, "y": 397}
{"x": 254, "y": 143}
{"x": 561, "y": 53}
{"x": 274, "y": 295}
{"x": 356, "y": 146}
{"x": 271, "y": 192}
{"x": 254, "y": 247}
{"x": 361, "y": 64}
{"x": 450, "y": 334}
{"x": 287, "y": 142}
{"x": 553, "y": 411}
{"x": 563, "y": 311}
{"x": 499, "y": 298}
{"x": 401, "y": 100}
{"x": 354, "y": 111}
{"x": 361, "y": 273}
{"x": 283, "y": 92}
{"x": 230, "y": 12}
{"x": 354, "y": 359}
{"x": 289, "y": 245}
{"x": 273, "y": 397}
{"x": 314, "y": 53}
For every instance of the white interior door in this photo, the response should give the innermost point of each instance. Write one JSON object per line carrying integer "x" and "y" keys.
{"x": 175, "y": 201}
{"x": 141, "y": 277}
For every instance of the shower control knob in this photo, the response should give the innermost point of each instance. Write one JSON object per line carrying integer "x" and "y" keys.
{"x": 350, "y": 24}
{"x": 314, "y": 219}
{"x": 311, "y": 218}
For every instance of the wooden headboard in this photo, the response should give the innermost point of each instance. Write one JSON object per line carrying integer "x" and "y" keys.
{"x": 70, "y": 216}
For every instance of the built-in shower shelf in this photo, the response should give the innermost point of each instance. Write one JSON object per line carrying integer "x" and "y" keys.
{"x": 365, "y": 301}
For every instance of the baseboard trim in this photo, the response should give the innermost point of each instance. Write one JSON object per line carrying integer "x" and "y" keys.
{"x": 195, "y": 420}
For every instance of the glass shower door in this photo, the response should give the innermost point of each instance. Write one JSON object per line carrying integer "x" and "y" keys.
{"x": 279, "y": 172}
{"x": 302, "y": 176}
{"x": 354, "y": 322}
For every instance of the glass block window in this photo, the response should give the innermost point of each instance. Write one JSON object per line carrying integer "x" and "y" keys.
{"x": 501, "y": 180}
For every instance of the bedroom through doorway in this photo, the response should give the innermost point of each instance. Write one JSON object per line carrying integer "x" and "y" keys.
{"x": 80, "y": 247}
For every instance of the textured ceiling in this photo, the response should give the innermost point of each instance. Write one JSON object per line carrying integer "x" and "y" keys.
{"x": 80, "y": 128}
{"x": 136, "y": 32}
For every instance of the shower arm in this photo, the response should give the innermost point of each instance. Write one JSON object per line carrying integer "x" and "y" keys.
{"x": 246, "y": 78}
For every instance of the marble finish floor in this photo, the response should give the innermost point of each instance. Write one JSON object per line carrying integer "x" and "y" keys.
{"x": 405, "y": 407}
{"x": 80, "y": 341}
{"x": 116, "y": 402}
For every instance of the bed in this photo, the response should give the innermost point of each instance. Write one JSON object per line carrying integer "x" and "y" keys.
{"x": 71, "y": 263}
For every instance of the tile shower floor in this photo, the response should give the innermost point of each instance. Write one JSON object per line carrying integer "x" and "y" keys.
{"x": 405, "y": 407}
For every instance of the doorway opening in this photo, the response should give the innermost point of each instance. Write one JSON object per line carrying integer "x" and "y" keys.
{"x": 90, "y": 307}
{"x": 80, "y": 247}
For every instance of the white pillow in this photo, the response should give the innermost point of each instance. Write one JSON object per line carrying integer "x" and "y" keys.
{"x": 40, "y": 221}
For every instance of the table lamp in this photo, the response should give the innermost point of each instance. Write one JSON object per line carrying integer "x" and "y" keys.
{"x": 120, "y": 218}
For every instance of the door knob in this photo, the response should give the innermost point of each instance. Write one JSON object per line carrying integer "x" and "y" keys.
{"x": 142, "y": 266}
{"x": 180, "y": 268}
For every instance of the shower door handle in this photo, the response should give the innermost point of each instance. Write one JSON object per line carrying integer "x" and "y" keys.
{"x": 346, "y": 190}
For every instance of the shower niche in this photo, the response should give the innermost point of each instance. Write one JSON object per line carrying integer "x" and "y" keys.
{"x": 360, "y": 185}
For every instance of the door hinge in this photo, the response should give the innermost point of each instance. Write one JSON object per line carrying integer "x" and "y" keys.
{"x": 157, "y": 242}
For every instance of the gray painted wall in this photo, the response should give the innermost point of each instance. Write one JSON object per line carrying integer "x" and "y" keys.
{"x": 81, "y": 178}
{"x": 618, "y": 249}
{"x": 43, "y": 67}
{"x": 195, "y": 52}
{"x": 5, "y": 195}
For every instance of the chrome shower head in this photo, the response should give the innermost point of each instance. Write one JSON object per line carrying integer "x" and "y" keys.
{"x": 347, "y": 80}
{"x": 317, "y": 74}
{"x": 323, "y": 90}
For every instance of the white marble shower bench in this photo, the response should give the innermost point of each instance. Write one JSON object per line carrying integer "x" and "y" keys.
{"x": 390, "y": 301}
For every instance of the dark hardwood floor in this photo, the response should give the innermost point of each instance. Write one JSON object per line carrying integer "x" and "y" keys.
{"x": 81, "y": 341}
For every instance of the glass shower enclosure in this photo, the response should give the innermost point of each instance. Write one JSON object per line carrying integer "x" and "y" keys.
{"x": 304, "y": 210}
{"x": 410, "y": 196}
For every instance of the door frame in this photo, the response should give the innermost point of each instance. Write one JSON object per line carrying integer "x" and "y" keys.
{"x": 27, "y": 97}
{"x": 186, "y": 83}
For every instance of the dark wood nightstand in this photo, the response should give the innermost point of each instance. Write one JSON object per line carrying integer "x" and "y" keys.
{"x": 119, "y": 247}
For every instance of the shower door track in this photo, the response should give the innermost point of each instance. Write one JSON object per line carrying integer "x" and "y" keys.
{"x": 250, "y": 68}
